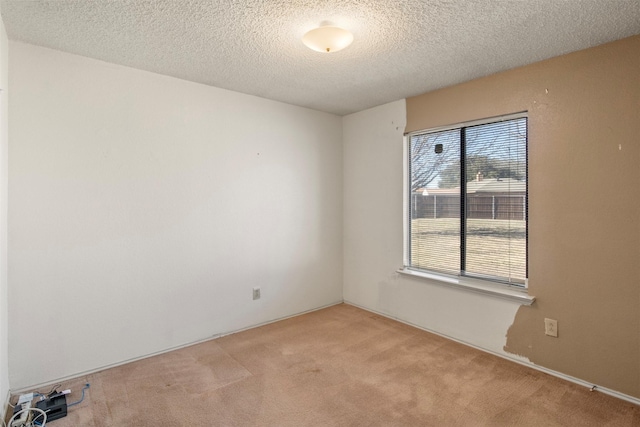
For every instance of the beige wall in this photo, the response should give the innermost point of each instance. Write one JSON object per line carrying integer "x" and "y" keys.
{"x": 584, "y": 217}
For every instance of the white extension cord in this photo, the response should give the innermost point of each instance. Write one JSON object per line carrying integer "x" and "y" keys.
{"x": 24, "y": 402}
{"x": 23, "y": 417}
{"x": 41, "y": 418}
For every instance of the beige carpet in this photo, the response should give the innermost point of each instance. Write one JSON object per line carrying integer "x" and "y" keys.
{"x": 340, "y": 366}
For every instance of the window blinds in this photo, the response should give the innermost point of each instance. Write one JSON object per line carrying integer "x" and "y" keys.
{"x": 469, "y": 200}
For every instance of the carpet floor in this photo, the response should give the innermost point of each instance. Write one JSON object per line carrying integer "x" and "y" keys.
{"x": 340, "y": 366}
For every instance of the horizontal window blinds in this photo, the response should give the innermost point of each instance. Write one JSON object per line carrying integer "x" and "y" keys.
{"x": 468, "y": 213}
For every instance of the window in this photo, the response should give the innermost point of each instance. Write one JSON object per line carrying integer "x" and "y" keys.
{"x": 468, "y": 200}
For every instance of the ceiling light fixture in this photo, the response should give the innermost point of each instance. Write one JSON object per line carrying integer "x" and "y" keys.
{"x": 327, "y": 39}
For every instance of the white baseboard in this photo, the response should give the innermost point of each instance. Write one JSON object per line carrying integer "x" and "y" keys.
{"x": 134, "y": 359}
{"x": 591, "y": 386}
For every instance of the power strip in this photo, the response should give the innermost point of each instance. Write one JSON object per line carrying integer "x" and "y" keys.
{"x": 24, "y": 403}
{"x": 24, "y": 417}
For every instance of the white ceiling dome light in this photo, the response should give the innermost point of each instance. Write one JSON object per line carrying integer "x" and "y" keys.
{"x": 327, "y": 39}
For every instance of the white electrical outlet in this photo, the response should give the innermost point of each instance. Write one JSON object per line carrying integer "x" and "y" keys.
{"x": 551, "y": 327}
{"x": 256, "y": 293}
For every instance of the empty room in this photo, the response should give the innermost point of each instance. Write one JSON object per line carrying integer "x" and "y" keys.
{"x": 320, "y": 213}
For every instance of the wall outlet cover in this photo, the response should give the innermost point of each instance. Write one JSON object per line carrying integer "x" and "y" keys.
{"x": 551, "y": 327}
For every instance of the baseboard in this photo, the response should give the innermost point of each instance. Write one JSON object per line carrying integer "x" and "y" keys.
{"x": 591, "y": 386}
{"x": 157, "y": 353}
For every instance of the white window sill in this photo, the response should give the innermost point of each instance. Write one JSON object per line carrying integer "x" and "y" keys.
{"x": 478, "y": 286}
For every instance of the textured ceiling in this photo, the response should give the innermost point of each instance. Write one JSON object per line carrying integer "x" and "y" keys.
{"x": 401, "y": 48}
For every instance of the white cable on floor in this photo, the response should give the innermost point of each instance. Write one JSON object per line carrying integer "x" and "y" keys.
{"x": 31, "y": 424}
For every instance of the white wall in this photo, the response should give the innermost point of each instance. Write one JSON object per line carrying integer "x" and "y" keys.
{"x": 373, "y": 241}
{"x": 143, "y": 209}
{"x": 4, "y": 374}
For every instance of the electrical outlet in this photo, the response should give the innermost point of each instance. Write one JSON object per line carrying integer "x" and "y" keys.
{"x": 551, "y": 327}
{"x": 256, "y": 293}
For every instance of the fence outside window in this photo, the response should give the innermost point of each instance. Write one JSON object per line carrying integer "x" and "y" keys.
{"x": 485, "y": 206}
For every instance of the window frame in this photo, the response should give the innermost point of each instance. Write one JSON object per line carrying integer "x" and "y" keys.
{"x": 474, "y": 283}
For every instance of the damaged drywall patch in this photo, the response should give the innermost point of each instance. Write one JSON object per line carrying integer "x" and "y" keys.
{"x": 519, "y": 339}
